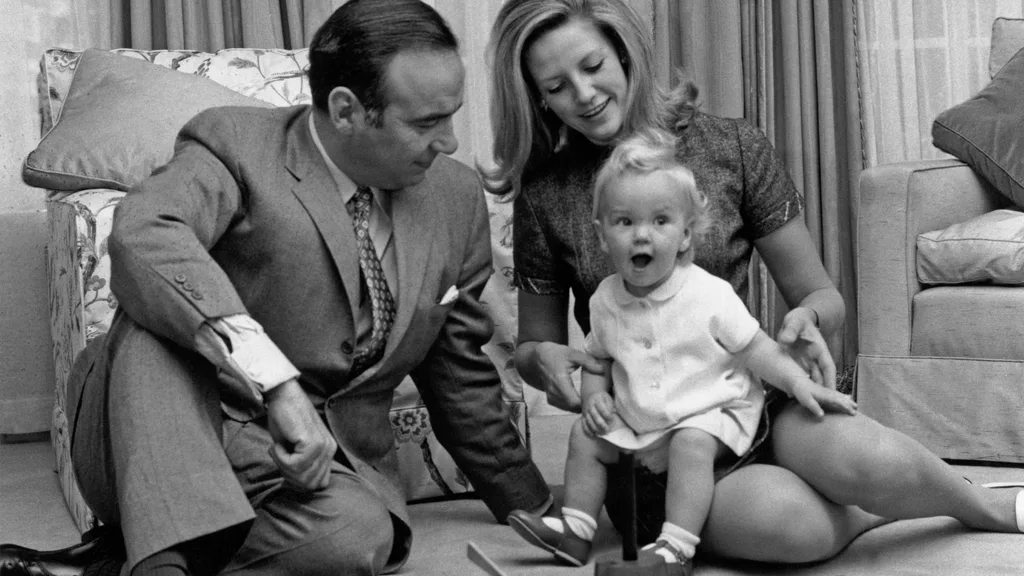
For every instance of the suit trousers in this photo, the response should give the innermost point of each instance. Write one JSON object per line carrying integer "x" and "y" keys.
{"x": 154, "y": 453}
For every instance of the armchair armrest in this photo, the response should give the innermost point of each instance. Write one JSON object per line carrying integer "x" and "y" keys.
{"x": 897, "y": 202}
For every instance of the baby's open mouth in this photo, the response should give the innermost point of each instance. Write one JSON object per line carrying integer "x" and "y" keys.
{"x": 641, "y": 260}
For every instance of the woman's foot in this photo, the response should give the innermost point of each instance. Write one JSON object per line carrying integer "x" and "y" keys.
{"x": 1018, "y": 508}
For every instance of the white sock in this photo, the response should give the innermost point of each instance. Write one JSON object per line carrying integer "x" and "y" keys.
{"x": 580, "y": 523}
{"x": 679, "y": 539}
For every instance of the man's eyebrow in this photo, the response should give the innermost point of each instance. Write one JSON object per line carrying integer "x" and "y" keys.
{"x": 437, "y": 115}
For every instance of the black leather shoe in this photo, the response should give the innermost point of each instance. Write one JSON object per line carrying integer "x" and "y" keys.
{"x": 100, "y": 546}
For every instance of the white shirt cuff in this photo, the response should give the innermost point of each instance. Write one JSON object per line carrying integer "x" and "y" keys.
{"x": 239, "y": 346}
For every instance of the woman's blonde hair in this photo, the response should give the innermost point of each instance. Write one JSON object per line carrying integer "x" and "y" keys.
{"x": 647, "y": 152}
{"x": 525, "y": 135}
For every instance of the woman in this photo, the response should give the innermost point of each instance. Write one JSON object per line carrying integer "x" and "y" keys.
{"x": 575, "y": 77}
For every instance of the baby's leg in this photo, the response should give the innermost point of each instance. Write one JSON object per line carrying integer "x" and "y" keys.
{"x": 586, "y": 477}
{"x": 691, "y": 483}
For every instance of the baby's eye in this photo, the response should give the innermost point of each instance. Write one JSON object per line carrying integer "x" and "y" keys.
{"x": 661, "y": 220}
{"x": 623, "y": 221}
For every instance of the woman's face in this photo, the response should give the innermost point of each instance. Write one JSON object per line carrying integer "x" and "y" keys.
{"x": 578, "y": 73}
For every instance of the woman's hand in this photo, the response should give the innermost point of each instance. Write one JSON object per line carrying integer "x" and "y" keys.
{"x": 819, "y": 400}
{"x": 599, "y": 415}
{"x": 549, "y": 367}
{"x": 802, "y": 340}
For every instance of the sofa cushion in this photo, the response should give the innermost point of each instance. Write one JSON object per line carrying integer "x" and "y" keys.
{"x": 974, "y": 321}
{"x": 986, "y": 248}
{"x": 987, "y": 131}
{"x": 117, "y": 144}
{"x": 1007, "y": 39}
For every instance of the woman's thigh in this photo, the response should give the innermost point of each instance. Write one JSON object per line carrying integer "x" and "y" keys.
{"x": 767, "y": 513}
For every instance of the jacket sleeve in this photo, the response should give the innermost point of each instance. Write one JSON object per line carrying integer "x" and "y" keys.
{"x": 161, "y": 269}
{"x": 462, "y": 390}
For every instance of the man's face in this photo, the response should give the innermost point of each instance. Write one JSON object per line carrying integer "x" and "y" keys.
{"x": 422, "y": 92}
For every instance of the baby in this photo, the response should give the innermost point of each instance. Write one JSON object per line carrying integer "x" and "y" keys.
{"x": 683, "y": 358}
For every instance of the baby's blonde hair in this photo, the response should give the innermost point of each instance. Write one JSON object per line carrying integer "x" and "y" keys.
{"x": 648, "y": 152}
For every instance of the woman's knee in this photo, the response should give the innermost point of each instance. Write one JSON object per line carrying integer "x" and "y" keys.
{"x": 844, "y": 457}
{"x": 767, "y": 514}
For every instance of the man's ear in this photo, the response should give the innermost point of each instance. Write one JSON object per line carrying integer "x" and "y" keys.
{"x": 600, "y": 234}
{"x": 344, "y": 108}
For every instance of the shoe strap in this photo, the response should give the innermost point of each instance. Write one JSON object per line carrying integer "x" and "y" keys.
{"x": 661, "y": 543}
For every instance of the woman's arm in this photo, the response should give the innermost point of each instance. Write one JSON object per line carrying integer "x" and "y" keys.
{"x": 543, "y": 358}
{"x": 816, "y": 307}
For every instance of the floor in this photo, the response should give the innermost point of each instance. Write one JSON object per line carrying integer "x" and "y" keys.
{"x": 32, "y": 513}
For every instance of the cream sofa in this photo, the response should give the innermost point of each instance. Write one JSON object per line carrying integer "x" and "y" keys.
{"x": 83, "y": 192}
{"x": 941, "y": 317}
{"x": 944, "y": 364}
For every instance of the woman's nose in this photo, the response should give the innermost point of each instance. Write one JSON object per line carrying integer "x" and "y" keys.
{"x": 584, "y": 91}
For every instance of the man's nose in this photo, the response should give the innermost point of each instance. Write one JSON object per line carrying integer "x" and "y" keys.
{"x": 445, "y": 142}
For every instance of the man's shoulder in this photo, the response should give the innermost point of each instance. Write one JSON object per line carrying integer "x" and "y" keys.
{"x": 222, "y": 120}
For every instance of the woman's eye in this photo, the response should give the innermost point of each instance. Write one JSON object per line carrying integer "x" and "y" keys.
{"x": 555, "y": 89}
{"x": 595, "y": 67}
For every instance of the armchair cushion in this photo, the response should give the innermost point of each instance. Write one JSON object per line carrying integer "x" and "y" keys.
{"x": 987, "y": 131}
{"x": 987, "y": 248}
{"x": 119, "y": 121}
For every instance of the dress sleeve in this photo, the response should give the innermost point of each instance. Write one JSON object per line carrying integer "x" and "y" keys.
{"x": 733, "y": 326}
{"x": 770, "y": 196}
{"x": 535, "y": 265}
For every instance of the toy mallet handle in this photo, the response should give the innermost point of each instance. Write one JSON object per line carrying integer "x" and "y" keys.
{"x": 629, "y": 553}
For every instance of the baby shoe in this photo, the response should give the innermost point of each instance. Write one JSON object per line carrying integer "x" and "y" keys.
{"x": 684, "y": 567}
{"x": 566, "y": 545}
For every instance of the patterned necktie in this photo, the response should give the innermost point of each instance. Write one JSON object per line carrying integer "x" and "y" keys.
{"x": 382, "y": 305}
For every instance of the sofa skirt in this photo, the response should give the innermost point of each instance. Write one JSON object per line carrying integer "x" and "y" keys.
{"x": 959, "y": 408}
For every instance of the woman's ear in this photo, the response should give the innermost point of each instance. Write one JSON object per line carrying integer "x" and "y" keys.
{"x": 600, "y": 235}
{"x": 344, "y": 109}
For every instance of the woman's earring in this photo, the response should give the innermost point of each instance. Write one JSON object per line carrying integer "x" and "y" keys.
{"x": 543, "y": 104}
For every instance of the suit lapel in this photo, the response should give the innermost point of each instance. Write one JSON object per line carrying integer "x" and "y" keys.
{"x": 317, "y": 192}
{"x": 413, "y": 237}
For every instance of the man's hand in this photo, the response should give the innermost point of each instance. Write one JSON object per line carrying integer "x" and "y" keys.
{"x": 303, "y": 447}
{"x": 555, "y": 364}
{"x": 802, "y": 340}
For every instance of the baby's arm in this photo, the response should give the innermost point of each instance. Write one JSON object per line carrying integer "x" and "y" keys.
{"x": 598, "y": 406}
{"x": 768, "y": 361}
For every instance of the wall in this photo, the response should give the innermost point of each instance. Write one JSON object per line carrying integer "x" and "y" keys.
{"x": 27, "y": 27}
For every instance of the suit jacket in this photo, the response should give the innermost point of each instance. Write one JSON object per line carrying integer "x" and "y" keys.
{"x": 247, "y": 219}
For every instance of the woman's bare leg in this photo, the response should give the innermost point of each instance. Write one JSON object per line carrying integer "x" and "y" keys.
{"x": 767, "y": 513}
{"x": 855, "y": 460}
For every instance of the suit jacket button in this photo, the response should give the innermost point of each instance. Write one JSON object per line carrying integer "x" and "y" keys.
{"x": 346, "y": 347}
{"x": 180, "y": 278}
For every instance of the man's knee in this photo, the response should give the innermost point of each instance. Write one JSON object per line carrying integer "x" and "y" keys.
{"x": 344, "y": 529}
{"x": 359, "y": 543}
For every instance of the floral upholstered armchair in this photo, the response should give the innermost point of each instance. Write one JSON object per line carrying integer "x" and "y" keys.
{"x": 109, "y": 119}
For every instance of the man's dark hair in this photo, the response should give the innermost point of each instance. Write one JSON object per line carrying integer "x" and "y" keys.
{"x": 354, "y": 47}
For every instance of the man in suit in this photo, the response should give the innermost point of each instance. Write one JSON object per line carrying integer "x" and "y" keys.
{"x": 276, "y": 280}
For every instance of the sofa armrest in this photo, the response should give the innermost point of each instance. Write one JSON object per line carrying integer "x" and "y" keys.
{"x": 897, "y": 202}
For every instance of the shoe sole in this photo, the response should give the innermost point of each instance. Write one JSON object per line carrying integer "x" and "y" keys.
{"x": 531, "y": 537}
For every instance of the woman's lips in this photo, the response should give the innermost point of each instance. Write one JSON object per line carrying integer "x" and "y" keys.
{"x": 595, "y": 111}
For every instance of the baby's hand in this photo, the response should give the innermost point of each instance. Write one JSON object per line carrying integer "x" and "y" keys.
{"x": 814, "y": 397}
{"x": 599, "y": 415}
